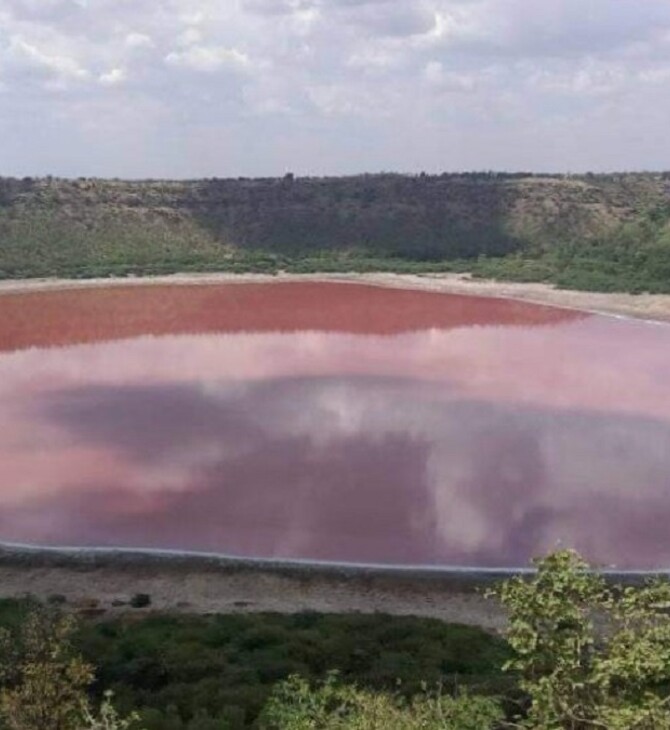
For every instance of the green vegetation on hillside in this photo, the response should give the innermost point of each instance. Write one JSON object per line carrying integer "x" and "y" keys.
{"x": 185, "y": 671}
{"x": 635, "y": 257}
{"x": 581, "y": 654}
{"x": 603, "y": 232}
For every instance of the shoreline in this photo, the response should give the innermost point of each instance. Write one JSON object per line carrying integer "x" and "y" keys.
{"x": 654, "y": 308}
{"x": 103, "y": 580}
{"x": 202, "y": 583}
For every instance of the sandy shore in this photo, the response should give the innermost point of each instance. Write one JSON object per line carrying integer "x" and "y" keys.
{"x": 105, "y": 582}
{"x": 643, "y": 306}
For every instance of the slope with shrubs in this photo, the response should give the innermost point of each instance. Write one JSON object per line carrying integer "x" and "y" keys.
{"x": 582, "y": 654}
{"x": 591, "y": 231}
{"x": 192, "y": 672}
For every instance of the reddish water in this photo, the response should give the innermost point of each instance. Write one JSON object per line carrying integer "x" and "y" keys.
{"x": 333, "y": 422}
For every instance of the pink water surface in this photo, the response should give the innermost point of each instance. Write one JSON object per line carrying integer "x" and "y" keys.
{"x": 333, "y": 422}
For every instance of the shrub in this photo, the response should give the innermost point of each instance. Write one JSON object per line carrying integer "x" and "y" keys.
{"x": 295, "y": 705}
{"x": 56, "y": 599}
{"x": 140, "y": 600}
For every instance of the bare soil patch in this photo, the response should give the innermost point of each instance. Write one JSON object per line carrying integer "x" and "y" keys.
{"x": 106, "y": 582}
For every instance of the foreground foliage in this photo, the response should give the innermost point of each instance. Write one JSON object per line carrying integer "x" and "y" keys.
{"x": 183, "y": 671}
{"x": 582, "y": 654}
{"x": 295, "y": 705}
{"x": 44, "y": 682}
{"x": 589, "y": 655}
{"x": 212, "y": 672}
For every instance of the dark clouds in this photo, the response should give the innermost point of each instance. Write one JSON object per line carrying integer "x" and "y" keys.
{"x": 114, "y": 87}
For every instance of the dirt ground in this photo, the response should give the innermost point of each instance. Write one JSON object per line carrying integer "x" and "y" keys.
{"x": 105, "y": 583}
{"x": 643, "y": 306}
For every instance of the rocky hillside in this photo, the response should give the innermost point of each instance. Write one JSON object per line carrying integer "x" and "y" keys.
{"x": 90, "y": 227}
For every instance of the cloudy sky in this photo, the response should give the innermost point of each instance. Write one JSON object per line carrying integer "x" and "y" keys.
{"x": 189, "y": 88}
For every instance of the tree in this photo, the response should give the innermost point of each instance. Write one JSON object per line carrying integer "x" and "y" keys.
{"x": 44, "y": 683}
{"x": 589, "y": 655}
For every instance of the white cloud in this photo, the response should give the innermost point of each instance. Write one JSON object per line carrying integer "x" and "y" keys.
{"x": 59, "y": 67}
{"x": 44, "y": 9}
{"x": 400, "y": 18}
{"x": 207, "y": 58}
{"x": 336, "y": 85}
{"x": 554, "y": 28}
{"x": 113, "y": 77}
{"x": 436, "y": 76}
{"x": 333, "y": 100}
{"x": 658, "y": 75}
{"x": 277, "y": 7}
{"x": 139, "y": 40}
{"x": 377, "y": 57}
{"x": 190, "y": 37}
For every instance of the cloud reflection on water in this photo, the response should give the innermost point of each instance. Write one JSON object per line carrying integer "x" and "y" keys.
{"x": 475, "y": 445}
{"x": 407, "y": 476}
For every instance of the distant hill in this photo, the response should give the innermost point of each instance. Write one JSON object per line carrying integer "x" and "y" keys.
{"x": 589, "y": 231}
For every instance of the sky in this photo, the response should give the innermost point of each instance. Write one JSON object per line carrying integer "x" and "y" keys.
{"x": 227, "y": 88}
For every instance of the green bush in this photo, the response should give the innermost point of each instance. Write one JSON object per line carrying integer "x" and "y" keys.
{"x": 295, "y": 705}
{"x": 229, "y": 663}
{"x": 140, "y": 600}
{"x": 589, "y": 655}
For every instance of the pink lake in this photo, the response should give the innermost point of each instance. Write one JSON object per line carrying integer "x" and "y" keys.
{"x": 333, "y": 422}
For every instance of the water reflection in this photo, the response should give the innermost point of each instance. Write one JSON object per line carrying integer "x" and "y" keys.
{"x": 464, "y": 445}
{"x": 39, "y": 319}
